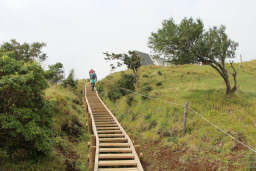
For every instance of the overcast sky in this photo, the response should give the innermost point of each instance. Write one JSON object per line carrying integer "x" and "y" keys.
{"x": 77, "y": 32}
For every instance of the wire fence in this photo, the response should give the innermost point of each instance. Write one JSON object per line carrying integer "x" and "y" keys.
{"x": 249, "y": 147}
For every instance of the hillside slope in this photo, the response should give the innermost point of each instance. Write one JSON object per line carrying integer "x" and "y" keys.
{"x": 70, "y": 149}
{"x": 156, "y": 123}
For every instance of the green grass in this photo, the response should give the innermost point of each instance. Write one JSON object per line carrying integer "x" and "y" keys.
{"x": 70, "y": 149}
{"x": 160, "y": 119}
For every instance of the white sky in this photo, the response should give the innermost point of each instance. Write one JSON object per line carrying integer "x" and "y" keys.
{"x": 77, "y": 32}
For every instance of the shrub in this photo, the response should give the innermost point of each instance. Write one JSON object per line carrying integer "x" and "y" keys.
{"x": 25, "y": 116}
{"x": 127, "y": 81}
{"x": 114, "y": 94}
{"x": 129, "y": 100}
{"x": 100, "y": 89}
{"x": 159, "y": 73}
{"x": 145, "y": 76}
{"x": 148, "y": 116}
{"x": 152, "y": 124}
{"x": 145, "y": 90}
{"x": 158, "y": 83}
{"x": 122, "y": 87}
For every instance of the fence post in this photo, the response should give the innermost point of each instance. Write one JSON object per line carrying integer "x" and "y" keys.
{"x": 185, "y": 117}
{"x": 90, "y": 125}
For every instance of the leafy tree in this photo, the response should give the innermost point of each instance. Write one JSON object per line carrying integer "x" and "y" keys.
{"x": 25, "y": 116}
{"x": 70, "y": 81}
{"x": 189, "y": 42}
{"x": 176, "y": 41}
{"x": 131, "y": 60}
{"x": 26, "y": 52}
{"x": 55, "y": 73}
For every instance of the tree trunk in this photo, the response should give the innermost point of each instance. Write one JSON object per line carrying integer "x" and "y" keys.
{"x": 137, "y": 80}
{"x": 230, "y": 90}
{"x": 228, "y": 86}
{"x": 224, "y": 74}
{"x": 136, "y": 77}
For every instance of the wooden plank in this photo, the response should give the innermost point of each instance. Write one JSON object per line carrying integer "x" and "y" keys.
{"x": 116, "y": 156}
{"x": 118, "y": 169}
{"x": 120, "y": 150}
{"x": 115, "y": 140}
{"x": 103, "y": 122}
{"x": 110, "y": 135}
{"x": 114, "y": 145}
{"x": 117, "y": 163}
{"x": 108, "y": 128}
{"x": 106, "y": 125}
{"x": 109, "y": 131}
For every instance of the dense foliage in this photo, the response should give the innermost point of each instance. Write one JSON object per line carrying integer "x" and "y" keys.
{"x": 25, "y": 116}
{"x": 188, "y": 42}
{"x": 26, "y": 52}
{"x": 118, "y": 88}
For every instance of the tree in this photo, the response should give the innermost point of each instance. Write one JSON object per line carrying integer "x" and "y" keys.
{"x": 26, "y": 52}
{"x": 70, "y": 80}
{"x": 131, "y": 60}
{"x": 55, "y": 73}
{"x": 176, "y": 41}
{"x": 189, "y": 42}
{"x": 25, "y": 116}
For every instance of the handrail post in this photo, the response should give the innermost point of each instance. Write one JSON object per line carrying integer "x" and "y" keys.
{"x": 90, "y": 125}
{"x": 92, "y": 158}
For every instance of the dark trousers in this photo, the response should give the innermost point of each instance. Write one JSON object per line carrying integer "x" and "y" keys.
{"x": 92, "y": 85}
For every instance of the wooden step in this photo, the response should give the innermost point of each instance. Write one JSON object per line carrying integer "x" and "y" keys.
{"x": 109, "y": 131}
{"x": 117, "y": 163}
{"x": 118, "y": 169}
{"x": 106, "y": 125}
{"x": 116, "y": 150}
{"x": 116, "y": 156}
{"x": 108, "y": 122}
{"x": 108, "y": 128}
{"x": 104, "y": 120}
{"x": 115, "y": 140}
{"x": 102, "y": 117}
{"x": 110, "y": 135}
{"x": 114, "y": 145}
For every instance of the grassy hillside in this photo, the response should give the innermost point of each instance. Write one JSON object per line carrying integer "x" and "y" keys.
{"x": 156, "y": 123}
{"x": 70, "y": 148}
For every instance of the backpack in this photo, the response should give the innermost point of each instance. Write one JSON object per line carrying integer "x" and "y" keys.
{"x": 93, "y": 75}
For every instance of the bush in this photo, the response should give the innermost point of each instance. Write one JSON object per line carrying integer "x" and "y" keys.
{"x": 145, "y": 76}
{"x": 25, "y": 116}
{"x": 129, "y": 100}
{"x": 100, "y": 89}
{"x": 158, "y": 83}
{"x": 122, "y": 87}
{"x": 127, "y": 81}
{"x": 114, "y": 94}
{"x": 145, "y": 90}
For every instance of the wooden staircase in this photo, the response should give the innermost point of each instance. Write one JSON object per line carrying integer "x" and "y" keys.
{"x": 111, "y": 149}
